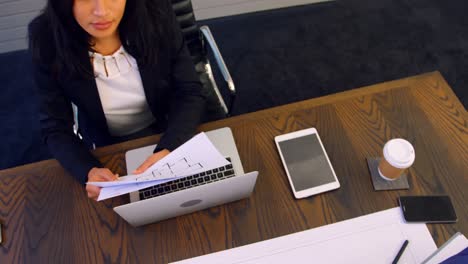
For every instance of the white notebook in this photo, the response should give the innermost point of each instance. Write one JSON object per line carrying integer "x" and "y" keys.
{"x": 373, "y": 238}
{"x": 453, "y": 246}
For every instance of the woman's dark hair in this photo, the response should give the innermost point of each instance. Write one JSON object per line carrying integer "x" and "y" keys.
{"x": 57, "y": 40}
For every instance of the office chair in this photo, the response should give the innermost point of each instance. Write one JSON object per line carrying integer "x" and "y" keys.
{"x": 197, "y": 39}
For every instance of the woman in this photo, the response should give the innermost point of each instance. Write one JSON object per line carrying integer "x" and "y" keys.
{"x": 125, "y": 66}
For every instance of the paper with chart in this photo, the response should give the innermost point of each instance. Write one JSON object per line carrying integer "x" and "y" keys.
{"x": 113, "y": 191}
{"x": 196, "y": 155}
{"x": 373, "y": 238}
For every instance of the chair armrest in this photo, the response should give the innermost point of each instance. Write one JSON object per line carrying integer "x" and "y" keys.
{"x": 219, "y": 59}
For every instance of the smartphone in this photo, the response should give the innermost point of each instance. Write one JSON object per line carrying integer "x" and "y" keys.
{"x": 306, "y": 163}
{"x": 428, "y": 209}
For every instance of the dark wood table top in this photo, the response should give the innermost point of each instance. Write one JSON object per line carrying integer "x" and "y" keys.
{"x": 47, "y": 217}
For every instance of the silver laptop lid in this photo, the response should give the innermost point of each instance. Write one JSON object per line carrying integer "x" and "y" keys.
{"x": 188, "y": 200}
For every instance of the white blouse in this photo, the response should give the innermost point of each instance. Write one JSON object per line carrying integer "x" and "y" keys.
{"x": 121, "y": 92}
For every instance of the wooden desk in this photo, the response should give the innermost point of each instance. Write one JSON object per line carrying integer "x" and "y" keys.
{"x": 48, "y": 218}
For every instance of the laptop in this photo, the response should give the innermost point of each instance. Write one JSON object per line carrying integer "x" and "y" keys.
{"x": 192, "y": 193}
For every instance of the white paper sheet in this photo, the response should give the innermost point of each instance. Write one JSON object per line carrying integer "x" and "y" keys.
{"x": 373, "y": 238}
{"x": 109, "y": 192}
{"x": 196, "y": 155}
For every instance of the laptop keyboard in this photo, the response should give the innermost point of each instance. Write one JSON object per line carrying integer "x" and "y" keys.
{"x": 191, "y": 181}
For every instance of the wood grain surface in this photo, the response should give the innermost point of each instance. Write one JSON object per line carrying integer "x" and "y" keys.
{"x": 47, "y": 217}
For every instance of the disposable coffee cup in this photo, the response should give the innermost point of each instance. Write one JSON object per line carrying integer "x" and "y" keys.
{"x": 398, "y": 155}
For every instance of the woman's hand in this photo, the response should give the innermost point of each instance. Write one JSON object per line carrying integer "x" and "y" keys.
{"x": 97, "y": 175}
{"x": 151, "y": 160}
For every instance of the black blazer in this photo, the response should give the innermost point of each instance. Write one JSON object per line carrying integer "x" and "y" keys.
{"x": 173, "y": 92}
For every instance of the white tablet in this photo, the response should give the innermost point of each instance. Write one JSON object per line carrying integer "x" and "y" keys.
{"x": 306, "y": 163}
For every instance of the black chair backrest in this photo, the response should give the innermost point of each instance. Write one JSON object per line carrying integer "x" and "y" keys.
{"x": 184, "y": 13}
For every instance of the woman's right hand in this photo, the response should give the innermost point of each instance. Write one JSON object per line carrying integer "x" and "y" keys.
{"x": 97, "y": 175}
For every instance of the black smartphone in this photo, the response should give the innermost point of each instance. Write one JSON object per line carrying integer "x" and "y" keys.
{"x": 429, "y": 209}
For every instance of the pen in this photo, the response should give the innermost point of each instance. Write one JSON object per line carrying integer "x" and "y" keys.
{"x": 402, "y": 249}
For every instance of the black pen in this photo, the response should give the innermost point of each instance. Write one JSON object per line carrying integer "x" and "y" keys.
{"x": 402, "y": 249}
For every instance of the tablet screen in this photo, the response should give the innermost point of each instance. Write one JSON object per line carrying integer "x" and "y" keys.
{"x": 306, "y": 162}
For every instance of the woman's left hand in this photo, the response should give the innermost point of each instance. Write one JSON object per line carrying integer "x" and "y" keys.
{"x": 151, "y": 160}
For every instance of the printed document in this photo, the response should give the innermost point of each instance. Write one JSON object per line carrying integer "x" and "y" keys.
{"x": 196, "y": 155}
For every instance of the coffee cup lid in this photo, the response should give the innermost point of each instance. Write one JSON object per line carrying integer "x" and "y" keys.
{"x": 399, "y": 153}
